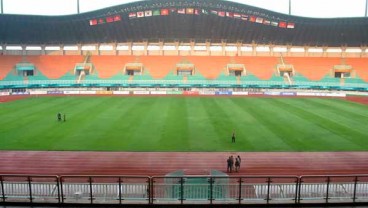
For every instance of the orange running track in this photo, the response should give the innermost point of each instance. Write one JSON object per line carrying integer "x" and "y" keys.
{"x": 193, "y": 163}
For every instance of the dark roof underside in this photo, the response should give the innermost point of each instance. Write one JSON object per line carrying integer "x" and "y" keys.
{"x": 72, "y": 29}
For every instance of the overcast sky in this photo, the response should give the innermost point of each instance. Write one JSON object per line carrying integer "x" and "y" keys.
{"x": 307, "y": 8}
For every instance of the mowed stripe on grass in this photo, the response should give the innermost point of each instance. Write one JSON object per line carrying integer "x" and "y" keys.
{"x": 184, "y": 124}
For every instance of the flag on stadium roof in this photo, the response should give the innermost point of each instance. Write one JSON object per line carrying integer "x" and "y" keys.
{"x": 109, "y": 19}
{"x": 164, "y": 12}
{"x": 275, "y": 24}
{"x": 93, "y": 22}
{"x": 259, "y": 20}
{"x": 190, "y": 11}
{"x": 156, "y": 12}
{"x": 140, "y": 14}
{"x": 229, "y": 14}
{"x": 266, "y": 22}
{"x": 132, "y": 15}
{"x": 101, "y": 21}
{"x": 244, "y": 17}
{"x": 290, "y": 25}
{"x": 221, "y": 13}
{"x": 117, "y": 18}
{"x": 148, "y": 13}
{"x": 181, "y": 11}
{"x": 282, "y": 24}
{"x": 237, "y": 15}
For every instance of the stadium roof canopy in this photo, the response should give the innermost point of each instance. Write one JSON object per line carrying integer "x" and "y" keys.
{"x": 183, "y": 21}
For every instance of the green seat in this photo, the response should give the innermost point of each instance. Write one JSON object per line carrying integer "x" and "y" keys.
{"x": 68, "y": 76}
{"x": 119, "y": 76}
{"x": 12, "y": 77}
{"x": 249, "y": 77}
{"x": 223, "y": 77}
{"x": 142, "y": 77}
{"x": 172, "y": 76}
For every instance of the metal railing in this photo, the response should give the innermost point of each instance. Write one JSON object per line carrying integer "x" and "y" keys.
{"x": 200, "y": 83}
{"x": 183, "y": 190}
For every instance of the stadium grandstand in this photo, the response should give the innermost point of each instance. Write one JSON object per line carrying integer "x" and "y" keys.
{"x": 175, "y": 49}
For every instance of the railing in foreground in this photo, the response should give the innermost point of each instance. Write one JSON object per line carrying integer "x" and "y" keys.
{"x": 183, "y": 190}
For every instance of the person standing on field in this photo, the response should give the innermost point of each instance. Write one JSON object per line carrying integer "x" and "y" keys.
{"x": 59, "y": 116}
{"x": 233, "y": 137}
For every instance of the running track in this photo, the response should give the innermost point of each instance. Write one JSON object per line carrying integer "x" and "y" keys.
{"x": 157, "y": 163}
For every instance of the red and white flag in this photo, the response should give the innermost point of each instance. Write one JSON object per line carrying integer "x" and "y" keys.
{"x": 93, "y": 22}
{"x": 290, "y": 25}
{"x": 282, "y": 24}
{"x": 181, "y": 11}
{"x": 140, "y": 14}
{"x": 117, "y": 18}
{"x": 132, "y": 15}
{"x": 221, "y": 13}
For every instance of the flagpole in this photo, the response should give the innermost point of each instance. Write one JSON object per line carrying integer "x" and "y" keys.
{"x": 290, "y": 7}
{"x": 78, "y": 7}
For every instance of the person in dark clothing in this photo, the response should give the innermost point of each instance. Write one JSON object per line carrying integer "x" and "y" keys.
{"x": 229, "y": 165}
{"x": 64, "y": 117}
{"x": 233, "y": 137}
{"x": 59, "y": 116}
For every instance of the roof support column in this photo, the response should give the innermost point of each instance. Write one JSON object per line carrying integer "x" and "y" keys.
{"x": 2, "y": 7}
{"x": 366, "y": 7}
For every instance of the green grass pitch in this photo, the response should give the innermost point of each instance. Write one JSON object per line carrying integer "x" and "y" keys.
{"x": 183, "y": 124}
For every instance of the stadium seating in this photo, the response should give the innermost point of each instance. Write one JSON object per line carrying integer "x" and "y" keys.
{"x": 56, "y": 66}
{"x": 209, "y": 66}
{"x": 313, "y": 68}
{"x": 173, "y": 76}
{"x": 261, "y": 67}
{"x": 360, "y": 65}
{"x": 310, "y": 72}
{"x": 7, "y": 64}
{"x": 159, "y": 66}
{"x": 109, "y": 66}
{"x": 224, "y": 77}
